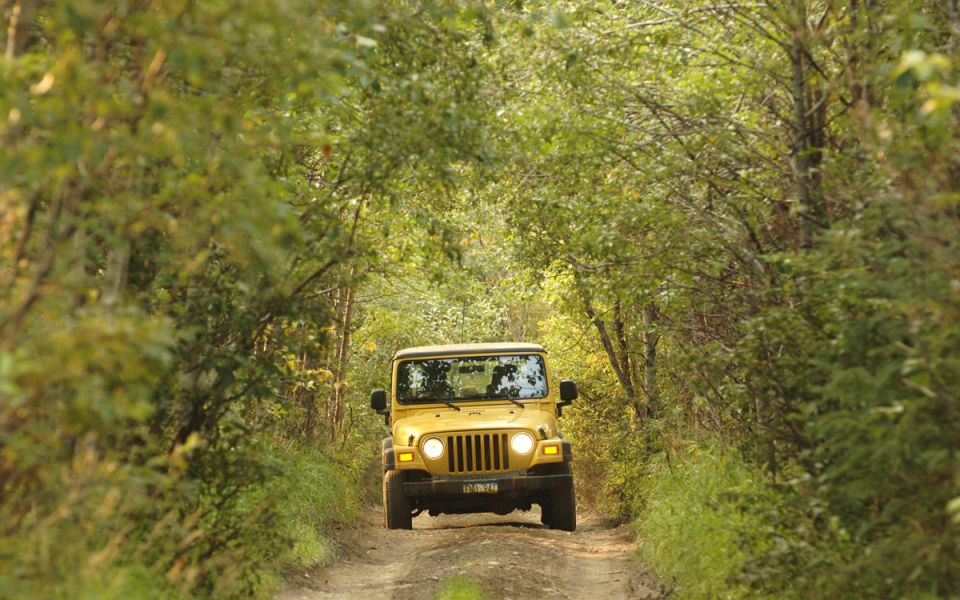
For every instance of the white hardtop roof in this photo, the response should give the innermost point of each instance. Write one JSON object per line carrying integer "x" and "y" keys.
{"x": 460, "y": 349}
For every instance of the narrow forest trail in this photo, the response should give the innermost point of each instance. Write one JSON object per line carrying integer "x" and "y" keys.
{"x": 512, "y": 556}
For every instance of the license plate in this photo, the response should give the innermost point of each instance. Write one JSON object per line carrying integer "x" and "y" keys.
{"x": 481, "y": 488}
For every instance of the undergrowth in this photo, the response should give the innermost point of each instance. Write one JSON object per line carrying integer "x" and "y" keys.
{"x": 691, "y": 524}
{"x": 91, "y": 549}
{"x": 312, "y": 493}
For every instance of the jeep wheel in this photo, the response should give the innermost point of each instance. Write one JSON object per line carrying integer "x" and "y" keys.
{"x": 545, "y": 510}
{"x": 396, "y": 507}
{"x": 561, "y": 509}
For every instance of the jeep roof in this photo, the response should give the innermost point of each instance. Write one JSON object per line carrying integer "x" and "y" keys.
{"x": 462, "y": 349}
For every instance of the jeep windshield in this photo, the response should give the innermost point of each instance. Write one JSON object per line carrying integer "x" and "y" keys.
{"x": 507, "y": 377}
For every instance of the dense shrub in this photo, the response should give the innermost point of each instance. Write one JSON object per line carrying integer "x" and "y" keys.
{"x": 121, "y": 532}
{"x": 693, "y": 521}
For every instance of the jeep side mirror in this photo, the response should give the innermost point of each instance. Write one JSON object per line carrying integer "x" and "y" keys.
{"x": 568, "y": 392}
{"x": 378, "y": 400}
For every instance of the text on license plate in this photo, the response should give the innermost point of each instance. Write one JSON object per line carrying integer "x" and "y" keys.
{"x": 480, "y": 488}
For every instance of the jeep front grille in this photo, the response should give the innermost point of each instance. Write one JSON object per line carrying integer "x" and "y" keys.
{"x": 478, "y": 452}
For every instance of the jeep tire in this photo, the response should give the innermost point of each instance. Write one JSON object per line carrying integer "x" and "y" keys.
{"x": 545, "y": 512}
{"x": 396, "y": 507}
{"x": 560, "y": 511}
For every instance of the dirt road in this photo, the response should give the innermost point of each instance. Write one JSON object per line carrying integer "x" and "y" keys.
{"x": 509, "y": 557}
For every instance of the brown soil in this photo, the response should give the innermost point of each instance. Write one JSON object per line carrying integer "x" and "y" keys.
{"x": 510, "y": 557}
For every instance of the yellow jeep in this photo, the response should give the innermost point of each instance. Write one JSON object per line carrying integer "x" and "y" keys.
{"x": 474, "y": 429}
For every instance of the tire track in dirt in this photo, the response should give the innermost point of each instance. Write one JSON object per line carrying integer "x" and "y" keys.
{"x": 512, "y": 556}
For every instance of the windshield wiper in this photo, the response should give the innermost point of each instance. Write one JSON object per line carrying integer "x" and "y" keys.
{"x": 448, "y": 403}
{"x": 488, "y": 397}
{"x": 514, "y": 400}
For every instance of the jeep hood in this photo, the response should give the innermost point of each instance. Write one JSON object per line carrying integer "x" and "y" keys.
{"x": 485, "y": 418}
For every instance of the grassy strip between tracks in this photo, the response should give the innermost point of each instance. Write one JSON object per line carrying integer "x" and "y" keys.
{"x": 460, "y": 588}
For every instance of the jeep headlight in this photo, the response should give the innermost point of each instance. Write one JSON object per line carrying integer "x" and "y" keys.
{"x": 433, "y": 448}
{"x": 521, "y": 443}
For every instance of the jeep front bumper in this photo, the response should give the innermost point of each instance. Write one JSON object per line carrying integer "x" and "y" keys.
{"x": 454, "y": 486}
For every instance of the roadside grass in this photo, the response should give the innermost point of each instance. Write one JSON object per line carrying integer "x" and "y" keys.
{"x": 311, "y": 494}
{"x": 691, "y": 525}
{"x": 460, "y": 588}
{"x": 282, "y": 522}
{"x": 116, "y": 583}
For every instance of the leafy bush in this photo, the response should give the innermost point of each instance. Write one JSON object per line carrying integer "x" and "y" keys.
{"x": 109, "y": 538}
{"x": 310, "y": 493}
{"x": 691, "y": 523}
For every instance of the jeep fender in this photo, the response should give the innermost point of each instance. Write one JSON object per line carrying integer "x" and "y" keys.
{"x": 388, "y": 455}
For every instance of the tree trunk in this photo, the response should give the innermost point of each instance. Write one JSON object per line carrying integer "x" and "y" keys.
{"x": 804, "y": 149}
{"x": 309, "y": 402}
{"x": 627, "y": 361}
{"x": 341, "y": 353}
{"x": 118, "y": 264}
{"x": 651, "y": 315}
{"x": 22, "y": 13}
{"x": 621, "y": 370}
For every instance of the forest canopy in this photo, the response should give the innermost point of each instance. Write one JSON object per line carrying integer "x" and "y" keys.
{"x": 736, "y": 225}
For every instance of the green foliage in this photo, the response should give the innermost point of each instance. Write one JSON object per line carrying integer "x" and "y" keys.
{"x": 691, "y": 521}
{"x": 311, "y": 493}
{"x": 779, "y": 182}
{"x": 118, "y": 547}
{"x": 219, "y": 220}
{"x": 184, "y": 189}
